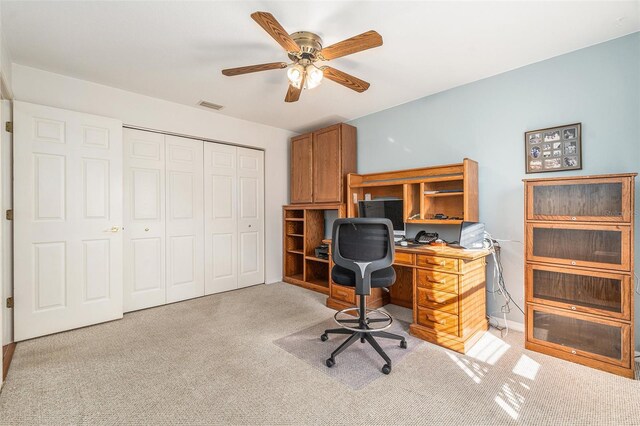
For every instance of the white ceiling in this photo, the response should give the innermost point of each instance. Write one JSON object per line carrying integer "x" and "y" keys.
{"x": 176, "y": 50}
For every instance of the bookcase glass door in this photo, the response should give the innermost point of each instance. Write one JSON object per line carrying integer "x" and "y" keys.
{"x": 575, "y": 335}
{"x": 580, "y": 291}
{"x": 595, "y": 247}
{"x": 595, "y": 201}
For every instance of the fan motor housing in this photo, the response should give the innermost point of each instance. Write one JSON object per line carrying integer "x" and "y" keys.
{"x": 310, "y": 44}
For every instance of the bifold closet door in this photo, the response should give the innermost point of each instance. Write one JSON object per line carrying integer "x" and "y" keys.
{"x": 185, "y": 218}
{"x": 234, "y": 217}
{"x": 68, "y": 215}
{"x": 250, "y": 217}
{"x": 221, "y": 217}
{"x": 144, "y": 245}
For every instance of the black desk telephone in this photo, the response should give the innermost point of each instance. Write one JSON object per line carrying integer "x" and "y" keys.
{"x": 424, "y": 237}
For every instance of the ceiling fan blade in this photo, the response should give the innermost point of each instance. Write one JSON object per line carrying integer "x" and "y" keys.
{"x": 275, "y": 30}
{"x": 347, "y": 80}
{"x": 355, "y": 44}
{"x": 254, "y": 68}
{"x": 293, "y": 93}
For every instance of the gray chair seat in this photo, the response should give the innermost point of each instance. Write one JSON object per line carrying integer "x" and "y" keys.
{"x": 379, "y": 279}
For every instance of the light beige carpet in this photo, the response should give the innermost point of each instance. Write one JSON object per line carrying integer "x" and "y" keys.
{"x": 359, "y": 364}
{"x": 213, "y": 361}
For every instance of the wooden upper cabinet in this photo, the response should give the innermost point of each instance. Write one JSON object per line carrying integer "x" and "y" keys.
{"x": 320, "y": 161}
{"x": 302, "y": 169}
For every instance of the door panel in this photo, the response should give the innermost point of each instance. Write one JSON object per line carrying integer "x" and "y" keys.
{"x": 302, "y": 169}
{"x": 144, "y": 159}
{"x": 68, "y": 215}
{"x": 251, "y": 217}
{"x": 221, "y": 222}
{"x": 185, "y": 218}
{"x": 327, "y": 180}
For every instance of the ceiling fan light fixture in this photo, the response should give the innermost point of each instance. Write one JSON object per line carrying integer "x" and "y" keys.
{"x": 314, "y": 76}
{"x": 295, "y": 74}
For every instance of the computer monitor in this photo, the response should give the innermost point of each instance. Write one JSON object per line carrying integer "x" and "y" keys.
{"x": 389, "y": 209}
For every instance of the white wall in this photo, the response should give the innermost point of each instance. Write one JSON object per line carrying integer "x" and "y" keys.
{"x": 45, "y": 88}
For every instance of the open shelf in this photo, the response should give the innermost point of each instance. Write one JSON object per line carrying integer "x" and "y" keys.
{"x": 298, "y": 277}
{"x": 317, "y": 259}
{"x": 445, "y": 194}
{"x": 391, "y": 182}
{"x": 304, "y": 230}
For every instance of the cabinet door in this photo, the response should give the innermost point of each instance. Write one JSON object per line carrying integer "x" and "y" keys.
{"x": 596, "y": 246}
{"x": 327, "y": 166}
{"x": 144, "y": 212}
{"x": 579, "y": 335}
{"x": 185, "y": 218}
{"x": 588, "y": 200}
{"x": 302, "y": 169}
{"x": 600, "y": 293}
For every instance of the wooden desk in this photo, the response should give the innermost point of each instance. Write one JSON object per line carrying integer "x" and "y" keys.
{"x": 445, "y": 288}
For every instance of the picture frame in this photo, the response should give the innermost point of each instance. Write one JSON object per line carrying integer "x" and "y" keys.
{"x": 554, "y": 149}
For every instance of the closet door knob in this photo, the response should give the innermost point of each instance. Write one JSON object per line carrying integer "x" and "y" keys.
{"x": 146, "y": 229}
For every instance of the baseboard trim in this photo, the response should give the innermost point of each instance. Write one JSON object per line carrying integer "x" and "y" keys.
{"x": 7, "y": 355}
{"x": 516, "y": 326}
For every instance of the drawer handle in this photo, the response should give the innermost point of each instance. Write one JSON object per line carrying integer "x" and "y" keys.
{"x": 435, "y": 301}
{"x": 573, "y": 262}
{"x": 441, "y": 322}
{"x": 436, "y": 282}
{"x": 573, "y": 352}
{"x": 573, "y": 308}
{"x": 573, "y": 218}
{"x": 442, "y": 263}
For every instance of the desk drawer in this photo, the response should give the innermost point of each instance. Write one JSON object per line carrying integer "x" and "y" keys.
{"x": 437, "y": 262}
{"x": 403, "y": 258}
{"x": 345, "y": 294}
{"x": 438, "y": 320}
{"x": 439, "y": 300}
{"x": 435, "y": 280}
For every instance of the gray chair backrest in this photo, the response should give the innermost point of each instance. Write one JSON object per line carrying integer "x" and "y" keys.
{"x": 363, "y": 245}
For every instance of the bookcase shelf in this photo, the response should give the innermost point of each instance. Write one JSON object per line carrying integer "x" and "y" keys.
{"x": 304, "y": 230}
{"x": 411, "y": 185}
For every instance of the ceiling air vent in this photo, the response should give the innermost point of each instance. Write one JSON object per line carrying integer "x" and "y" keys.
{"x": 210, "y": 105}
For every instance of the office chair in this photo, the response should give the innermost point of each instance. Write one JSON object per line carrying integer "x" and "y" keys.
{"x": 363, "y": 252}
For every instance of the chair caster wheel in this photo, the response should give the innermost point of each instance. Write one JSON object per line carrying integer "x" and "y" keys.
{"x": 403, "y": 344}
{"x": 386, "y": 369}
{"x": 324, "y": 337}
{"x": 330, "y": 362}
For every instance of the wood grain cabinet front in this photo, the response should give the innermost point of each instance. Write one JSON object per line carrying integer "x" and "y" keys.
{"x": 320, "y": 162}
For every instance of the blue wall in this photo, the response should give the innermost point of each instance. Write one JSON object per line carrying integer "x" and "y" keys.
{"x": 598, "y": 86}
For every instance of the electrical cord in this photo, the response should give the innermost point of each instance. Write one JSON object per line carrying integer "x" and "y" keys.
{"x": 499, "y": 277}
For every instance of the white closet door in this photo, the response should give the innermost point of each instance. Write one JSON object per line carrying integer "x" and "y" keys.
{"x": 185, "y": 218}
{"x": 68, "y": 215}
{"x": 144, "y": 249}
{"x": 250, "y": 217}
{"x": 221, "y": 218}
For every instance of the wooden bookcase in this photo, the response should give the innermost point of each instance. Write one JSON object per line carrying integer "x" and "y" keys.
{"x": 304, "y": 231}
{"x": 579, "y": 270}
{"x": 451, "y": 190}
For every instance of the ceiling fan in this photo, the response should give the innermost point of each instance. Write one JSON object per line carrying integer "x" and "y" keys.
{"x": 304, "y": 49}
